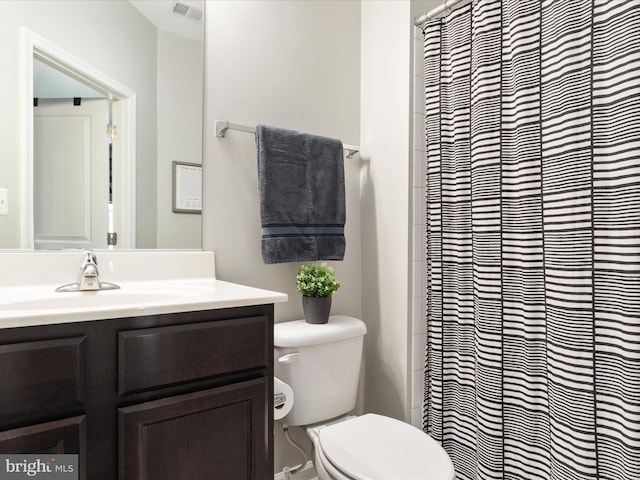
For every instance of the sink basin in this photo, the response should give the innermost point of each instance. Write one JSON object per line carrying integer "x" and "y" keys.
{"x": 130, "y": 296}
{"x": 86, "y": 300}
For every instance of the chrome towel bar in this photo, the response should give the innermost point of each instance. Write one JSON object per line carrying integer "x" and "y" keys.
{"x": 222, "y": 126}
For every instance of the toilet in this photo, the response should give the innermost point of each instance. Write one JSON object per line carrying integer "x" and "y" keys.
{"x": 321, "y": 364}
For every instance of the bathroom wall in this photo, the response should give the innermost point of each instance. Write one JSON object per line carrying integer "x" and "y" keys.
{"x": 393, "y": 207}
{"x": 289, "y": 64}
{"x": 293, "y": 65}
{"x": 385, "y": 136}
{"x": 180, "y": 83}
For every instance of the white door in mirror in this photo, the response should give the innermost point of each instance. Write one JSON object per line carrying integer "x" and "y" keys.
{"x": 4, "y": 201}
{"x": 70, "y": 173}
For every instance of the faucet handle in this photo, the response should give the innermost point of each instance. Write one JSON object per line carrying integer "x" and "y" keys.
{"x": 89, "y": 258}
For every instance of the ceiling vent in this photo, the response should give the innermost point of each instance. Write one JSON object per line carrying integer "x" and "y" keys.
{"x": 186, "y": 11}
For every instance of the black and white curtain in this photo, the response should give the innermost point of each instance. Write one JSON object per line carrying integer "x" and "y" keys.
{"x": 533, "y": 238}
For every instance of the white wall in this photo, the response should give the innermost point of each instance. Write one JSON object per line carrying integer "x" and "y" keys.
{"x": 289, "y": 64}
{"x": 113, "y": 38}
{"x": 180, "y": 70}
{"x": 385, "y": 138}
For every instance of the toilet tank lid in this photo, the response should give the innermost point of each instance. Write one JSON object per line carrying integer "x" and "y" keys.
{"x": 299, "y": 333}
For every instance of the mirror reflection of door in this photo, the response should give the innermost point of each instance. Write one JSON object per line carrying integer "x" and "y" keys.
{"x": 71, "y": 173}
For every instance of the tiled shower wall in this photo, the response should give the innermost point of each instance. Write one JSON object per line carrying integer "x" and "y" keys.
{"x": 417, "y": 310}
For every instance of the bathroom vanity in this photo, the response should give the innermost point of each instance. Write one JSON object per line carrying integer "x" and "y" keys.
{"x": 176, "y": 389}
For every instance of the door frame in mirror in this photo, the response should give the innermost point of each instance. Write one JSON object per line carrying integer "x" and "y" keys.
{"x": 124, "y": 167}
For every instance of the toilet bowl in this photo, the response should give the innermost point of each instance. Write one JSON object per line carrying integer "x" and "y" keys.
{"x": 321, "y": 365}
{"x": 376, "y": 447}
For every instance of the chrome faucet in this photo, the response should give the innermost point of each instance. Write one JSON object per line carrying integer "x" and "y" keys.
{"x": 88, "y": 277}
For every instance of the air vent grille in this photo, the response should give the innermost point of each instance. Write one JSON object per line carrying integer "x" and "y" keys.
{"x": 184, "y": 10}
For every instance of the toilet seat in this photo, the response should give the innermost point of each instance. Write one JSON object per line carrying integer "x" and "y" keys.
{"x": 374, "y": 447}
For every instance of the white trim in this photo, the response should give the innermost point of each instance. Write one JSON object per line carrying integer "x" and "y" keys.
{"x": 26, "y": 118}
{"x": 125, "y": 158}
{"x": 39, "y": 47}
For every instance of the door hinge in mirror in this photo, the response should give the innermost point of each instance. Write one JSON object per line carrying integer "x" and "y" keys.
{"x": 112, "y": 239}
{"x": 112, "y": 131}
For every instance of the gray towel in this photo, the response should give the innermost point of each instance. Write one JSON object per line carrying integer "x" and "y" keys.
{"x": 302, "y": 202}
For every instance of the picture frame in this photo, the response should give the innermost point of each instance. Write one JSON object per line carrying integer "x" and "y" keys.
{"x": 187, "y": 187}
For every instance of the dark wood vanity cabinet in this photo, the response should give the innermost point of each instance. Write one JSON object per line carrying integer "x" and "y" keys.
{"x": 175, "y": 396}
{"x": 215, "y": 433}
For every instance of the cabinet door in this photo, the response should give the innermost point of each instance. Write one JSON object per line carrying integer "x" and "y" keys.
{"x": 57, "y": 437}
{"x": 212, "y": 434}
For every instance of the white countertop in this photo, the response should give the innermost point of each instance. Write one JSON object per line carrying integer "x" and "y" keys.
{"x": 20, "y": 307}
{"x": 150, "y": 284}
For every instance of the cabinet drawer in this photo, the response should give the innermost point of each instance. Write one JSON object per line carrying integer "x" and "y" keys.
{"x": 42, "y": 376}
{"x": 158, "y": 357}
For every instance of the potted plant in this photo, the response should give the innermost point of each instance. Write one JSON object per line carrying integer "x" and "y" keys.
{"x": 317, "y": 284}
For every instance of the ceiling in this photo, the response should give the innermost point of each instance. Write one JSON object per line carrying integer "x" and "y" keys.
{"x": 186, "y": 21}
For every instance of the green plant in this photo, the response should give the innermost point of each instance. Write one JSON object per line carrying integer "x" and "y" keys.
{"x": 315, "y": 280}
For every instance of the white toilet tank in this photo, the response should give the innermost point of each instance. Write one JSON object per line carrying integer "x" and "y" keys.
{"x": 321, "y": 364}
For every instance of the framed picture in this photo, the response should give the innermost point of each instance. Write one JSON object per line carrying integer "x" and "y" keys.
{"x": 187, "y": 187}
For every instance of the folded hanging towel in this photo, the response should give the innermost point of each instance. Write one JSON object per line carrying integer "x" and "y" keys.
{"x": 302, "y": 200}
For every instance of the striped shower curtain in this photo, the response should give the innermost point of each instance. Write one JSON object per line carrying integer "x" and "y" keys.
{"x": 533, "y": 238}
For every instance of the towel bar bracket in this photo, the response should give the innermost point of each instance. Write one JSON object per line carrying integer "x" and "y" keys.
{"x": 222, "y": 127}
{"x": 349, "y": 152}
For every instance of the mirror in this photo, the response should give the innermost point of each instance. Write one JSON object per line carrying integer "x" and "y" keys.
{"x": 144, "y": 59}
